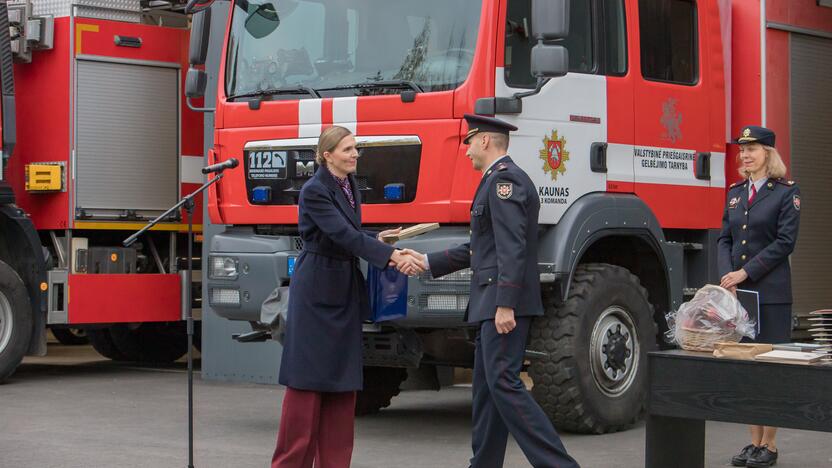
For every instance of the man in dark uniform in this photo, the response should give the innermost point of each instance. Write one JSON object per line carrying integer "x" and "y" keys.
{"x": 505, "y": 296}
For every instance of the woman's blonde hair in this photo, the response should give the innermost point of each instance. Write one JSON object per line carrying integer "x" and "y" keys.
{"x": 775, "y": 167}
{"x": 328, "y": 141}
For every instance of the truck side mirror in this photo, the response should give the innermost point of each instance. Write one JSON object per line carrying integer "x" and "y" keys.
{"x": 262, "y": 21}
{"x": 549, "y": 61}
{"x": 195, "y": 83}
{"x": 550, "y": 19}
{"x": 200, "y": 30}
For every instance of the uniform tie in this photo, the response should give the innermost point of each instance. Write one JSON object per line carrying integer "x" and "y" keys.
{"x": 753, "y": 194}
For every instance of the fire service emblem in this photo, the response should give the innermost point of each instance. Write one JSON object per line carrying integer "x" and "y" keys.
{"x": 554, "y": 155}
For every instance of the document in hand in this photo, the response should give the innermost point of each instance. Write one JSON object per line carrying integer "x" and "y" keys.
{"x": 750, "y": 301}
{"x": 412, "y": 231}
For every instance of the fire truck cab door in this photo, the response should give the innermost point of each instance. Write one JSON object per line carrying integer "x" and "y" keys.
{"x": 672, "y": 111}
{"x": 559, "y": 125}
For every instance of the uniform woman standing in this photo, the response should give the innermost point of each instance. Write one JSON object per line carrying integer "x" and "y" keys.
{"x": 322, "y": 349}
{"x": 759, "y": 231}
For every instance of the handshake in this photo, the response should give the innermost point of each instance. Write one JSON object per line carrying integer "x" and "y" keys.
{"x": 408, "y": 262}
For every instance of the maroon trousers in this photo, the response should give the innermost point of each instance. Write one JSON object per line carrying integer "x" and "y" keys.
{"x": 315, "y": 427}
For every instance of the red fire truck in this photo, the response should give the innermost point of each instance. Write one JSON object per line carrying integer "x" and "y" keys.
{"x": 97, "y": 140}
{"x": 624, "y": 108}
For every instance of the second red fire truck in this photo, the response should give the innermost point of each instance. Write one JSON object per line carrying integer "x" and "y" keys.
{"x": 97, "y": 140}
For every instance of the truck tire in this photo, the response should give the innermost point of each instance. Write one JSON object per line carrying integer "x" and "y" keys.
{"x": 381, "y": 384}
{"x": 15, "y": 320}
{"x": 594, "y": 377}
{"x": 71, "y": 336}
{"x": 103, "y": 343}
{"x": 152, "y": 343}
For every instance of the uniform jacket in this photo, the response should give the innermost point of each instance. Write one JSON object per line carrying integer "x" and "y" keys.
{"x": 759, "y": 238}
{"x": 502, "y": 253}
{"x": 322, "y": 348}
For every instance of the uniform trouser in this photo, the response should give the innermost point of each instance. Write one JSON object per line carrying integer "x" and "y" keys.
{"x": 315, "y": 426}
{"x": 502, "y": 405}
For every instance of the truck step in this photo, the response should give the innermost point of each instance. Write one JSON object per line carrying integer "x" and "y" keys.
{"x": 255, "y": 336}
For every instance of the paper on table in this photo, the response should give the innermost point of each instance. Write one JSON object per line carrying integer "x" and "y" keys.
{"x": 412, "y": 231}
{"x": 790, "y": 357}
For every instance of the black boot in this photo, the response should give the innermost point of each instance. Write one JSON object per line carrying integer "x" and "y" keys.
{"x": 747, "y": 452}
{"x": 762, "y": 458}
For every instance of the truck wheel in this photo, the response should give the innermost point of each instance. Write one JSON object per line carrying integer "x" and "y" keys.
{"x": 594, "y": 378}
{"x": 381, "y": 384}
{"x": 71, "y": 336}
{"x": 155, "y": 343}
{"x": 15, "y": 320}
{"x": 103, "y": 343}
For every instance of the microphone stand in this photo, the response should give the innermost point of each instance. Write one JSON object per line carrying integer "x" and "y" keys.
{"x": 188, "y": 203}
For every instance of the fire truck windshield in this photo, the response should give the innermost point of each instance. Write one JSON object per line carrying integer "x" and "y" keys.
{"x": 349, "y": 47}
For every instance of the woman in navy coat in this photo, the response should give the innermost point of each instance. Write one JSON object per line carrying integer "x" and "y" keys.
{"x": 322, "y": 349}
{"x": 759, "y": 232}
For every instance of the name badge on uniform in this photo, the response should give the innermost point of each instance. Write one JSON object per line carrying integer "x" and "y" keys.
{"x": 734, "y": 202}
{"x": 504, "y": 190}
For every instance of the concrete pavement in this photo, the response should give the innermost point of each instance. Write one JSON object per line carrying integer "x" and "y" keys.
{"x": 73, "y": 409}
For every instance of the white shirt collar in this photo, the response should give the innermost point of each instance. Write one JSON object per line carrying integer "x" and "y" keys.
{"x": 757, "y": 183}
{"x": 485, "y": 172}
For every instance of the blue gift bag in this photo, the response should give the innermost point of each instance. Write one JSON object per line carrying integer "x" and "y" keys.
{"x": 387, "y": 289}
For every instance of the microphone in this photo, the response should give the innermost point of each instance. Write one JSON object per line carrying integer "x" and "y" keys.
{"x": 219, "y": 167}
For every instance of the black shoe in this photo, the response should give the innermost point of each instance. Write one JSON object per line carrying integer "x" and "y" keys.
{"x": 762, "y": 458}
{"x": 747, "y": 452}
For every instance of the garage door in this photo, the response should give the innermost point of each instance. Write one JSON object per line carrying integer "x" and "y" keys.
{"x": 811, "y": 165}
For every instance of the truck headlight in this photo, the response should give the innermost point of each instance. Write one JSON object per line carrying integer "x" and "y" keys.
{"x": 225, "y": 297}
{"x": 223, "y": 268}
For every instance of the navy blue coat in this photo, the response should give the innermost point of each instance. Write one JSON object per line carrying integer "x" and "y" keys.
{"x": 502, "y": 252}
{"x": 759, "y": 238}
{"x": 322, "y": 348}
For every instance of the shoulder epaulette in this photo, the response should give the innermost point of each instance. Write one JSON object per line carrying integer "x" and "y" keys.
{"x": 502, "y": 166}
{"x": 782, "y": 181}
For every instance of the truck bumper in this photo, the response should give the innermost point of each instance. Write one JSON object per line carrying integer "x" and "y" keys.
{"x": 262, "y": 263}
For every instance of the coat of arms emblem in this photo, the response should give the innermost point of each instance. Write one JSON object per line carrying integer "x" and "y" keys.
{"x": 554, "y": 155}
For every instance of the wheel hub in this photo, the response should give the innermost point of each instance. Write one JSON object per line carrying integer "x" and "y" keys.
{"x": 614, "y": 351}
{"x": 617, "y": 349}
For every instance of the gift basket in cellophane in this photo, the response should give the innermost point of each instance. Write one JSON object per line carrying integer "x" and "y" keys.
{"x": 713, "y": 315}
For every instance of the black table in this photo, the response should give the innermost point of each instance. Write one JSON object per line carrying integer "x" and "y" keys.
{"x": 687, "y": 388}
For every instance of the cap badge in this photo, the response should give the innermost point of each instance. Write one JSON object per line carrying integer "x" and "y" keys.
{"x": 746, "y": 132}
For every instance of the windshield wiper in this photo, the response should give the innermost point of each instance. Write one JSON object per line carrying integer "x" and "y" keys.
{"x": 296, "y": 89}
{"x": 378, "y": 84}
